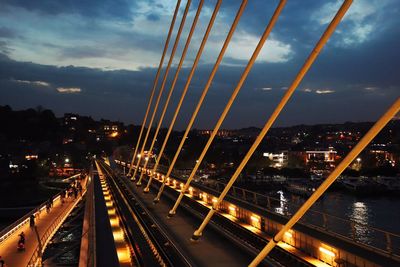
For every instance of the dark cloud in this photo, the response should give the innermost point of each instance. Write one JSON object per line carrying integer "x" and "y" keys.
{"x": 354, "y": 78}
{"x": 4, "y": 49}
{"x": 82, "y": 52}
{"x": 117, "y": 9}
{"x": 153, "y": 17}
{"x": 7, "y": 33}
{"x": 122, "y": 94}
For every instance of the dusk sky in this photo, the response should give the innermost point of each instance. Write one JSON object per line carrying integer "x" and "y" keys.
{"x": 100, "y": 57}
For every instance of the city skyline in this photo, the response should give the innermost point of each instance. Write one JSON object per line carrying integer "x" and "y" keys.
{"x": 99, "y": 60}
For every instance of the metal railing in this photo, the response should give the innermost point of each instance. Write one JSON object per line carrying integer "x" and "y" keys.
{"x": 15, "y": 226}
{"x": 369, "y": 237}
{"x": 35, "y": 260}
{"x": 353, "y": 231}
{"x": 12, "y": 228}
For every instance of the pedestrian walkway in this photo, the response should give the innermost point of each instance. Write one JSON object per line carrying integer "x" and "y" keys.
{"x": 43, "y": 221}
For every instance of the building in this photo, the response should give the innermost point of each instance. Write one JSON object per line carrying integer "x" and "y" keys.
{"x": 321, "y": 155}
{"x": 278, "y": 160}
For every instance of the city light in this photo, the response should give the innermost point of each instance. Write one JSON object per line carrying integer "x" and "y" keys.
{"x": 114, "y": 134}
{"x": 255, "y": 218}
{"x": 327, "y": 252}
{"x": 288, "y": 234}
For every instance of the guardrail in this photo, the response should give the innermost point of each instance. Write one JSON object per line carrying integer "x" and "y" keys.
{"x": 35, "y": 260}
{"x": 353, "y": 231}
{"x": 12, "y": 228}
{"x": 369, "y": 237}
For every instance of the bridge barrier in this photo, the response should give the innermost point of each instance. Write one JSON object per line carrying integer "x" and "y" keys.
{"x": 379, "y": 241}
{"x": 363, "y": 234}
{"x": 12, "y": 228}
{"x": 35, "y": 260}
{"x": 87, "y": 255}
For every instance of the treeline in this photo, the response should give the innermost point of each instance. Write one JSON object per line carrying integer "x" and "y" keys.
{"x": 34, "y": 125}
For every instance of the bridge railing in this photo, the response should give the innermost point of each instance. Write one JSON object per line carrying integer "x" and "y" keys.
{"x": 353, "y": 231}
{"x": 35, "y": 260}
{"x": 12, "y": 228}
{"x": 15, "y": 226}
{"x": 364, "y": 235}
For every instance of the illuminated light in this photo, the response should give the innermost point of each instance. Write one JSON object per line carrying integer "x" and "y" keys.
{"x": 255, "y": 218}
{"x": 111, "y": 211}
{"x": 146, "y": 158}
{"x": 174, "y": 183}
{"x": 109, "y": 204}
{"x": 30, "y": 157}
{"x": 232, "y": 208}
{"x": 123, "y": 255}
{"x": 288, "y": 234}
{"x": 113, "y": 134}
{"x": 327, "y": 251}
{"x": 114, "y": 222}
{"x": 200, "y": 195}
{"x": 66, "y": 160}
{"x": 191, "y": 190}
{"x": 118, "y": 235}
{"x": 138, "y": 156}
{"x": 181, "y": 185}
{"x": 214, "y": 200}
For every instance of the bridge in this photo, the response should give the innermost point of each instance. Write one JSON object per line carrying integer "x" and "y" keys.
{"x": 137, "y": 212}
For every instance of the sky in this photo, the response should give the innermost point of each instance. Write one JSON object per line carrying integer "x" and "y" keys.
{"x": 100, "y": 57}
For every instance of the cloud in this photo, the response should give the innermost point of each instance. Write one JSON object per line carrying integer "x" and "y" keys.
{"x": 68, "y": 90}
{"x": 82, "y": 52}
{"x": 266, "y": 88}
{"x": 243, "y": 44}
{"x": 324, "y": 91}
{"x": 36, "y": 83}
{"x": 363, "y": 18}
{"x": 5, "y": 50}
{"x": 116, "y": 9}
{"x": 7, "y": 33}
{"x": 371, "y": 88}
{"x": 318, "y": 91}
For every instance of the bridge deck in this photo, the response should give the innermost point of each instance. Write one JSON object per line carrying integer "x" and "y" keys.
{"x": 181, "y": 228}
{"x": 8, "y": 248}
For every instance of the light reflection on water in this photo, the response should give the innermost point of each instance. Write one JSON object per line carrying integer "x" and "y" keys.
{"x": 382, "y": 212}
{"x": 282, "y": 208}
{"x": 359, "y": 213}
